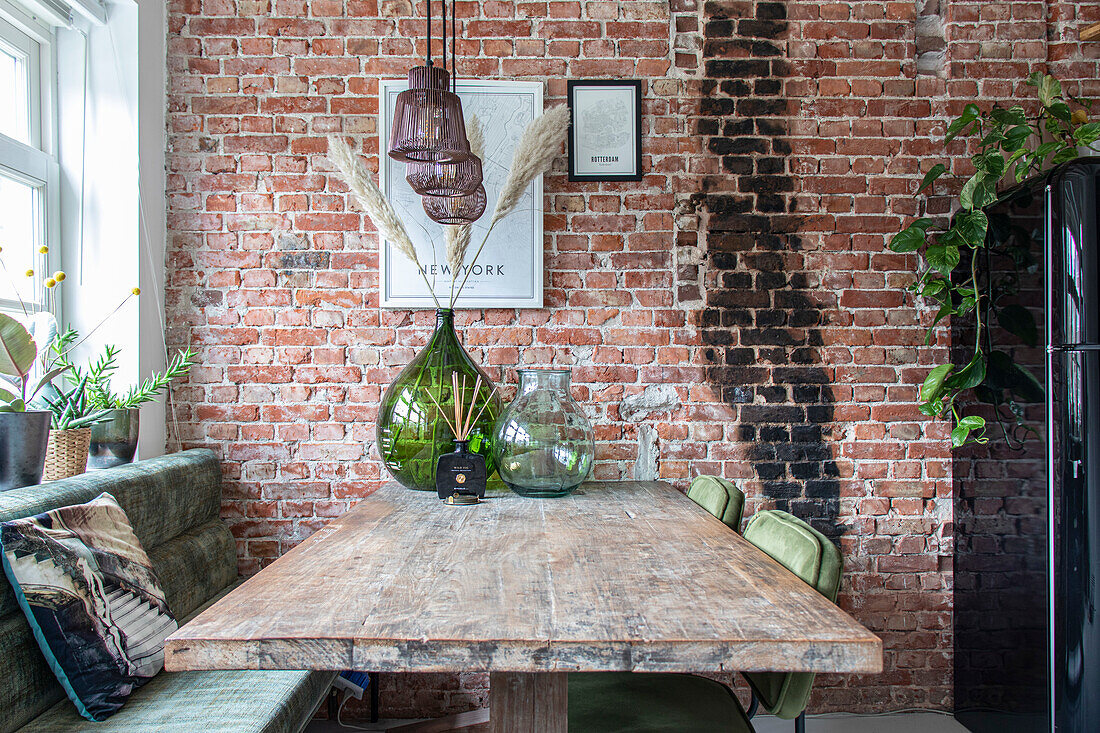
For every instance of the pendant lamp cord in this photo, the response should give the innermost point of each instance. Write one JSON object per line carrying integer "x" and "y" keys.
{"x": 429, "y": 23}
{"x": 443, "y": 4}
{"x": 454, "y": 51}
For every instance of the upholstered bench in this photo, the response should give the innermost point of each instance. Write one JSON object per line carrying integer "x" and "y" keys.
{"x": 173, "y": 503}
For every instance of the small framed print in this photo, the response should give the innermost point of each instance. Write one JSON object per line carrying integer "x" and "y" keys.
{"x": 605, "y": 137}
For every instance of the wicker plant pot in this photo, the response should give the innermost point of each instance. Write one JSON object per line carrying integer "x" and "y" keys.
{"x": 66, "y": 453}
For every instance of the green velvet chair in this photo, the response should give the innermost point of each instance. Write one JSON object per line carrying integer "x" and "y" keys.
{"x": 626, "y": 702}
{"x": 719, "y": 497}
{"x": 816, "y": 560}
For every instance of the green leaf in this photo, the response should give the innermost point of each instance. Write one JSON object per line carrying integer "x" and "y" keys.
{"x": 933, "y": 383}
{"x": 1049, "y": 90}
{"x": 979, "y": 191}
{"x": 1016, "y": 137}
{"x": 972, "y": 422}
{"x": 1007, "y": 117}
{"x": 969, "y": 115}
{"x": 930, "y": 177}
{"x": 994, "y": 137}
{"x": 6, "y": 396}
{"x": 1063, "y": 155}
{"x": 909, "y": 239}
{"x": 960, "y": 435}
{"x": 933, "y": 287}
{"x": 1046, "y": 149}
{"x": 17, "y": 348}
{"x": 1019, "y": 321}
{"x": 971, "y": 375}
{"x": 46, "y": 379}
{"x": 942, "y": 258}
{"x": 993, "y": 163}
{"x": 1034, "y": 78}
{"x": 943, "y": 312}
{"x": 1087, "y": 134}
{"x": 1061, "y": 111}
{"x": 1026, "y": 387}
{"x": 972, "y": 225}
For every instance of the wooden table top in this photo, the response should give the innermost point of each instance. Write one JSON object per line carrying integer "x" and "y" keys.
{"x": 628, "y": 576}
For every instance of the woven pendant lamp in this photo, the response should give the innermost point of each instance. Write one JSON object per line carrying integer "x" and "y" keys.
{"x": 445, "y": 179}
{"x": 428, "y": 127}
{"x": 456, "y": 210}
{"x": 427, "y": 121}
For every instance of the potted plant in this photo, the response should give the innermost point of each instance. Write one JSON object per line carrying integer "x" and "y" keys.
{"x": 72, "y": 415}
{"x": 24, "y": 433}
{"x": 114, "y": 435}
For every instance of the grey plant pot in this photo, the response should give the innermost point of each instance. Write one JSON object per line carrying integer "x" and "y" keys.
{"x": 23, "y": 437}
{"x": 114, "y": 441}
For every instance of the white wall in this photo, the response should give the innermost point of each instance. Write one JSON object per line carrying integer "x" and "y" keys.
{"x": 113, "y": 241}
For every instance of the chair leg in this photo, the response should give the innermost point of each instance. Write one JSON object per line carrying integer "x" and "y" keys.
{"x": 800, "y": 723}
{"x": 333, "y": 708}
{"x": 374, "y": 697}
{"x": 754, "y": 704}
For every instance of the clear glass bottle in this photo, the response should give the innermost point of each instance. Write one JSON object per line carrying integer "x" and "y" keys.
{"x": 543, "y": 442}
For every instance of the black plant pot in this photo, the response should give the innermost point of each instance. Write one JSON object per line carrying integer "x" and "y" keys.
{"x": 23, "y": 437}
{"x": 114, "y": 441}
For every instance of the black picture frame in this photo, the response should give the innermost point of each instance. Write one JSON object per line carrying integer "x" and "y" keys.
{"x": 582, "y": 172}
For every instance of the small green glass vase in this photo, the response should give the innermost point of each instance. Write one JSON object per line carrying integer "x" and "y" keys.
{"x": 412, "y": 430}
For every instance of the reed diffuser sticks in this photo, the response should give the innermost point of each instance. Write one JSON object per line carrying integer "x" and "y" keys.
{"x": 463, "y": 410}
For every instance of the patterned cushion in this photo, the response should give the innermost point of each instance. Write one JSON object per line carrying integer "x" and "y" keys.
{"x": 92, "y": 599}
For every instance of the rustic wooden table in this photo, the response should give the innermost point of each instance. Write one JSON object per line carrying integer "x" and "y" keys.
{"x": 619, "y": 576}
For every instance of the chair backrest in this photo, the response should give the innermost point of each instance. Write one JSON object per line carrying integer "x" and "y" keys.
{"x": 719, "y": 497}
{"x": 816, "y": 560}
{"x": 174, "y": 505}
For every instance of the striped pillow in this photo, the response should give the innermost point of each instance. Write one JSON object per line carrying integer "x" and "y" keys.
{"x": 91, "y": 597}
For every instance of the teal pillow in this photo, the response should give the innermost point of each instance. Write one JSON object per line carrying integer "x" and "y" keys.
{"x": 92, "y": 600}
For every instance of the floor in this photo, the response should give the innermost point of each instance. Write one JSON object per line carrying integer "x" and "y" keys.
{"x": 832, "y": 723}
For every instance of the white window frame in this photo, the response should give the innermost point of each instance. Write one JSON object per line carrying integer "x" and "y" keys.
{"x": 36, "y": 163}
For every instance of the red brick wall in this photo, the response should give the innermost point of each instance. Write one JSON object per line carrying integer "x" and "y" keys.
{"x": 747, "y": 270}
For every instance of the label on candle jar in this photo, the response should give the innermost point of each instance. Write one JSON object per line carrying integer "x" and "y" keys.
{"x": 461, "y": 472}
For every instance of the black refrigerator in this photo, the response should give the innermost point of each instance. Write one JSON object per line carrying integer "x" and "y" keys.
{"x": 1027, "y": 521}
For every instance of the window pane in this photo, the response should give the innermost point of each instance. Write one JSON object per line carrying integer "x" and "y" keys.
{"x": 14, "y": 85}
{"x": 20, "y": 238}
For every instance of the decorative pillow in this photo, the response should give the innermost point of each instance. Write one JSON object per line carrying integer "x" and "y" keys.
{"x": 92, "y": 600}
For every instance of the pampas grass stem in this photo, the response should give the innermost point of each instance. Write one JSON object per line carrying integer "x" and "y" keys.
{"x": 538, "y": 146}
{"x": 457, "y": 238}
{"x": 375, "y": 205}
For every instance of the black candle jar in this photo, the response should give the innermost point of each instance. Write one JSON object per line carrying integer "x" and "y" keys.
{"x": 460, "y": 476}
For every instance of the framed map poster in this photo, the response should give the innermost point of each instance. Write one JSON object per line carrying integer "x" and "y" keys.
{"x": 509, "y": 272}
{"x": 605, "y": 134}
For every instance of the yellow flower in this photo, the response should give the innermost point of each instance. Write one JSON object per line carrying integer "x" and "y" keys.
{"x": 59, "y": 275}
{"x": 1079, "y": 117}
{"x": 50, "y": 282}
{"x": 43, "y": 249}
{"x": 30, "y": 273}
{"x": 1, "y": 249}
{"x": 136, "y": 291}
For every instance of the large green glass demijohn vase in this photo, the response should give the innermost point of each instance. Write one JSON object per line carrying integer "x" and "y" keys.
{"x": 412, "y": 431}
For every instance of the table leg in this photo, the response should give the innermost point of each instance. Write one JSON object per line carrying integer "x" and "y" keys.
{"x": 528, "y": 702}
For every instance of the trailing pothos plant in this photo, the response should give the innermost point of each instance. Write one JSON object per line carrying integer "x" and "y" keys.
{"x": 1010, "y": 144}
